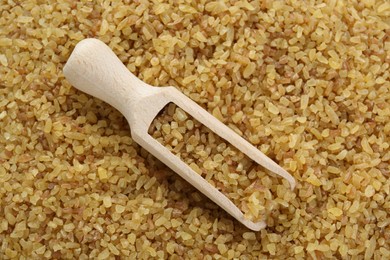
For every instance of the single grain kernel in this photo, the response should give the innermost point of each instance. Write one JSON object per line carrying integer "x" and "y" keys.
{"x": 102, "y": 173}
{"x": 119, "y": 209}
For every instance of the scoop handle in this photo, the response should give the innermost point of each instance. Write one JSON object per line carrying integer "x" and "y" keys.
{"x": 95, "y": 69}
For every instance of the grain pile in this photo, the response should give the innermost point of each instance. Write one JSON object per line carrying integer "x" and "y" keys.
{"x": 221, "y": 164}
{"x": 307, "y": 82}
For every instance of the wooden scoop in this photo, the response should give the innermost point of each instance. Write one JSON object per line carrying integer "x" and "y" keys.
{"x": 95, "y": 69}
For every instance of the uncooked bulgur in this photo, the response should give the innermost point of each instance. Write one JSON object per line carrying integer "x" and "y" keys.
{"x": 221, "y": 164}
{"x": 307, "y": 82}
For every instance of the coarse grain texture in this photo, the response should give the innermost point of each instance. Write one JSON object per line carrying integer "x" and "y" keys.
{"x": 221, "y": 164}
{"x": 307, "y": 82}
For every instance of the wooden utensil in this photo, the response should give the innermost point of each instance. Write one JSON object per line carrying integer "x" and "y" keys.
{"x": 95, "y": 69}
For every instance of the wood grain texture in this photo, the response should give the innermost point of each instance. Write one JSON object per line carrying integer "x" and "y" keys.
{"x": 94, "y": 69}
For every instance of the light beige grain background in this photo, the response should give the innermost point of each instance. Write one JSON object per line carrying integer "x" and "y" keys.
{"x": 307, "y": 82}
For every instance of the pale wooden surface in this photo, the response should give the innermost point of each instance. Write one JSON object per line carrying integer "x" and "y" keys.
{"x": 94, "y": 68}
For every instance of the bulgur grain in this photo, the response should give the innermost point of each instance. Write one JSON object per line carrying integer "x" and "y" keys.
{"x": 233, "y": 173}
{"x": 323, "y": 64}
